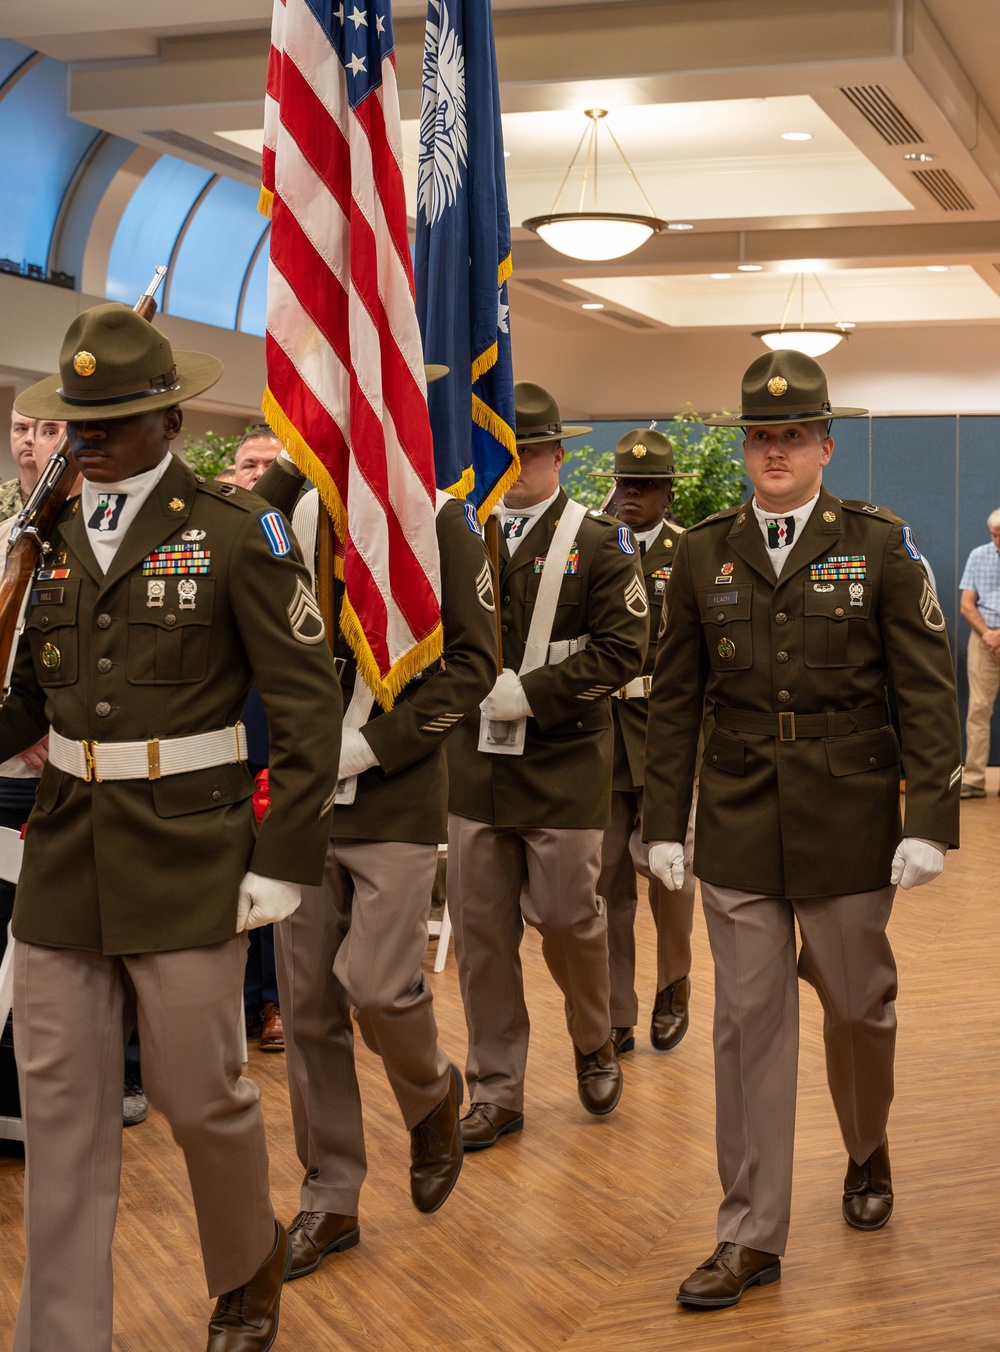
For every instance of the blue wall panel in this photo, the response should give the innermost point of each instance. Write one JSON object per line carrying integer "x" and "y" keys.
{"x": 978, "y": 495}
{"x": 848, "y": 473}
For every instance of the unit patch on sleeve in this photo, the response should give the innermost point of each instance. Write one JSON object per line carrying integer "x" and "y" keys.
{"x": 839, "y": 568}
{"x": 636, "y": 600}
{"x": 910, "y": 543}
{"x": 472, "y": 517}
{"x": 625, "y": 540}
{"x": 275, "y": 534}
{"x": 304, "y": 615}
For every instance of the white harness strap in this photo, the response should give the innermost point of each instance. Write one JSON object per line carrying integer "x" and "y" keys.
{"x": 536, "y": 648}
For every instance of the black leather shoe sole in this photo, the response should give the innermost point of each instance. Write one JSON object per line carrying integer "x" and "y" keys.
{"x": 764, "y": 1278}
{"x": 345, "y": 1242}
{"x": 507, "y": 1130}
{"x": 626, "y": 1045}
{"x": 879, "y": 1225}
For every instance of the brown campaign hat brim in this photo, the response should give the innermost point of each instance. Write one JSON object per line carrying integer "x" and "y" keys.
{"x": 564, "y": 433}
{"x": 773, "y": 420}
{"x": 196, "y": 372}
{"x": 638, "y": 474}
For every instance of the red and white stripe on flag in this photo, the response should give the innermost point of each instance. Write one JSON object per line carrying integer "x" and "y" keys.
{"x": 345, "y": 377}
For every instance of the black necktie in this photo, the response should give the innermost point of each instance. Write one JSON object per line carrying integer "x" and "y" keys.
{"x": 780, "y": 532}
{"x": 642, "y": 548}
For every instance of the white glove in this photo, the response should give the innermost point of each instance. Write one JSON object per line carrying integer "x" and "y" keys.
{"x": 915, "y": 862}
{"x": 356, "y": 756}
{"x": 666, "y": 860}
{"x": 265, "y": 901}
{"x": 507, "y": 700}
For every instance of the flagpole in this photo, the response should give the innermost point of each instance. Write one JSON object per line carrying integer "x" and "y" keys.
{"x": 324, "y": 572}
{"x": 492, "y": 530}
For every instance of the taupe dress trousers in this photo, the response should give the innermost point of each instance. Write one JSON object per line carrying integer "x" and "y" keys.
{"x": 70, "y": 1009}
{"x": 498, "y": 879}
{"x": 359, "y": 938}
{"x": 624, "y": 854}
{"x": 846, "y": 956}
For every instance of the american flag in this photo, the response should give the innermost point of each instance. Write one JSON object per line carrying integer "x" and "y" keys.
{"x": 345, "y": 378}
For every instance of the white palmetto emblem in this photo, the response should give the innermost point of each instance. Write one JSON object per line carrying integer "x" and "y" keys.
{"x": 444, "y": 137}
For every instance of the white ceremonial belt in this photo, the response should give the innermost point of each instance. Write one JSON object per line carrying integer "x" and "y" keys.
{"x": 152, "y": 759}
{"x": 566, "y": 647}
{"x": 636, "y": 689}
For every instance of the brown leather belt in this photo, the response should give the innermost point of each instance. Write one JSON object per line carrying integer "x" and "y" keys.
{"x": 790, "y": 727}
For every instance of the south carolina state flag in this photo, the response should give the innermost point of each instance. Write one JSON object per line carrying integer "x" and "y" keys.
{"x": 463, "y": 254}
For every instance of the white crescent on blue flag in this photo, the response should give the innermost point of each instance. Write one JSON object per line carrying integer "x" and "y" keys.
{"x": 463, "y": 256}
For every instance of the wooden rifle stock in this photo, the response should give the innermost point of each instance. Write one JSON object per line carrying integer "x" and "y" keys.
{"x": 30, "y": 533}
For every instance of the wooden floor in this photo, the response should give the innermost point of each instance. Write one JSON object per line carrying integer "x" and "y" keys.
{"x": 576, "y": 1232}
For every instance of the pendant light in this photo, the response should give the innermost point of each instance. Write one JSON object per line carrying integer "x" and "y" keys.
{"x": 811, "y": 339}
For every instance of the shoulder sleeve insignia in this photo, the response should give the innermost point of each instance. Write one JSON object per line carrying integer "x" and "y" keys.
{"x": 472, "y": 517}
{"x": 484, "y": 587}
{"x": 273, "y": 526}
{"x": 636, "y": 600}
{"x": 910, "y": 543}
{"x": 930, "y": 608}
{"x": 304, "y": 615}
{"x": 625, "y": 540}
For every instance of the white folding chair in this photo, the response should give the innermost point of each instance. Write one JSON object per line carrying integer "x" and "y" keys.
{"x": 441, "y": 929}
{"x": 11, "y": 850}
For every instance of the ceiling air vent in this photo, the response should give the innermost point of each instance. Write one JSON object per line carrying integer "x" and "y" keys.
{"x": 879, "y": 111}
{"x": 238, "y": 163}
{"x": 944, "y": 189}
{"x": 551, "y": 289}
{"x": 630, "y": 321}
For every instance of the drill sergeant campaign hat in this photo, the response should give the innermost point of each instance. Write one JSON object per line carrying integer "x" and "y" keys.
{"x": 115, "y": 364}
{"x": 643, "y": 454}
{"x": 783, "y": 386}
{"x": 536, "y": 415}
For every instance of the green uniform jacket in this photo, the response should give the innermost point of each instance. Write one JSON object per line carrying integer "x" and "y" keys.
{"x": 630, "y": 715}
{"x": 817, "y": 816}
{"x": 139, "y": 866}
{"x": 564, "y": 777}
{"x": 405, "y": 797}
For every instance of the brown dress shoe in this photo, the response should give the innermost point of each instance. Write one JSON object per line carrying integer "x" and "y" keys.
{"x": 624, "y": 1040}
{"x": 272, "y": 1034}
{"x": 314, "y": 1234}
{"x": 726, "y": 1275}
{"x": 246, "y": 1320}
{"x": 670, "y": 1015}
{"x": 485, "y": 1123}
{"x": 599, "y": 1079}
{"x": 868, "y": 1191}
{"x": 436, "y": 1150}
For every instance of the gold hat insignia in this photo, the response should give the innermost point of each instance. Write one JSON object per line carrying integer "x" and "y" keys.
{"x": 777, "y": 385}
{"x": 639, "y": 451}
{"x": 829, "y": 516}
{"x": 176, "y": 504}
{"x": 85, "y": 363}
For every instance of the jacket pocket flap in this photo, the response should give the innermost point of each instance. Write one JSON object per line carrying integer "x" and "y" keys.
{"x": 56, "y": 606}
{"x": 725, "y": 752}
{"x": 724, "y": 604}
{"x": 862, "y": 751}
{"x": 201, "y": 790}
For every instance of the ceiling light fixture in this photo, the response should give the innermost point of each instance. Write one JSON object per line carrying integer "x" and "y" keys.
{"x": 594, "y": 235}
{"x": 749, "y": 267}
{"x": 679, "y": 225}
{"x": 591, "y": 305}
{"x": 812, "y": 339}
{"x": 796, "y": 135}
{"x": 937, "y": 267}
{"x": 918, "y": 157}
{"x": 721, "y": 276}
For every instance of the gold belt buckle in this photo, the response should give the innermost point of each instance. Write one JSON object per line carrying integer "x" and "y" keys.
{"x": 786, "y": 727}
{"x": 89, "y": 750}
{"x": 647, "y": 685}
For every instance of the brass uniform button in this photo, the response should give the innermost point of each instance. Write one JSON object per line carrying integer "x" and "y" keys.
{"x": 782, "y": 656}
{"x": 784, "y": 696}
{"x": 872, "y": 760}
{"x": 103, "y": 709}
{"x": 216, "y": 795}
{"x": 839, "y": 610}
{"x": 104, "y": 621}
{"x": 170, "y": 619}
{"x": 721, "y": 615}
{"x": 781, "y": 618}
{"x": 104, "y": 665}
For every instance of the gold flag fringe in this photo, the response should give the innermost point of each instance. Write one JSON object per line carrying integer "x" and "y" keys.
{"x": 265, "y": 201}
{"x": 484, "y": 362}
{"x": 487, "y": 418}
{"x": 505, "y": 270}
{"x": 423, "y": 653}
{"x": 464, "y": 485}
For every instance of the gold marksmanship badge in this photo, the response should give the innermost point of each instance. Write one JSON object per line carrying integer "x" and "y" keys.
{"x": 829, "y": 516}
{"x": 51, "y": 657}
{"x": 176, "y": 504}
{"x": 85, "y": 363}
{"x": 777, "y": 386}
{"x": 639, "y": 451}
{"x": 727, "y": 649}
